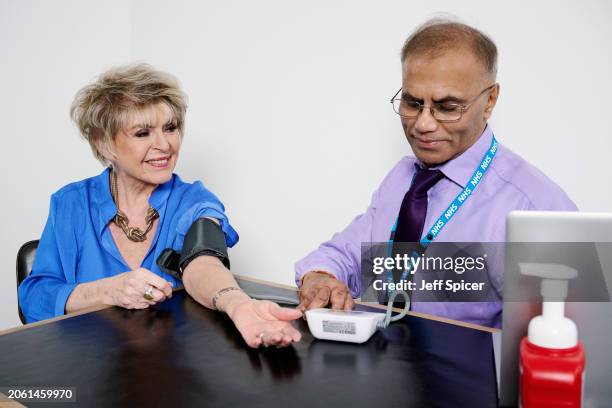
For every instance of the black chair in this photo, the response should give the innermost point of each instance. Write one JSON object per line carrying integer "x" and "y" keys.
{"x": 25, "y": 259}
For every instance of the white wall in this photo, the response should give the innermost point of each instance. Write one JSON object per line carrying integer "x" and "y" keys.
{"x": 48, "y": 51}
{"x": 289, "y": 121}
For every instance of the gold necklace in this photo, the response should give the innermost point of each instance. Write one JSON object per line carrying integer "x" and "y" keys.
{"x": 133, "y": 233}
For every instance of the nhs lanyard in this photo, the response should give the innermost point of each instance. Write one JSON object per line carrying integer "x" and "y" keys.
{"x": 450, "y": 211}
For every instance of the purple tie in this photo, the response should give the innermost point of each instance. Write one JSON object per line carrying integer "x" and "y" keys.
{"x": 414, "y": 206}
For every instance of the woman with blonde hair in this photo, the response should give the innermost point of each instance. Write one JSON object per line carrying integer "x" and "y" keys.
{"x": 105, "y": 235}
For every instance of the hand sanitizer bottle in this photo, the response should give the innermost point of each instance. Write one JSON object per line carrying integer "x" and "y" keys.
{"x": 551, "y": 358}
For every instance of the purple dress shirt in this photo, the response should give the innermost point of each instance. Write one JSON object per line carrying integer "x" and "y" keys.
{"x": 509, "y": 184}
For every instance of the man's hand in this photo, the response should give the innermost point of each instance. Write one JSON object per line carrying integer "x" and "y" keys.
{"x": 319, "y": 289}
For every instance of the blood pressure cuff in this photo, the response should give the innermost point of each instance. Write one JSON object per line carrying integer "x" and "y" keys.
{"x": 204, "y": 237}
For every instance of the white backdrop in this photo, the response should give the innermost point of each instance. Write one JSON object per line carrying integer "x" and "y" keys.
{"x": 289, "y": 121}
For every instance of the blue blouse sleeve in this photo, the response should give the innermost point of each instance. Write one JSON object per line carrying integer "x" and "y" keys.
{"x": 206, "y": 205}
{"x": 43, "y": 294}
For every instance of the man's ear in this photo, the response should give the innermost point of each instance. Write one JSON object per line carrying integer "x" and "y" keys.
{"x": 491, "y": 102}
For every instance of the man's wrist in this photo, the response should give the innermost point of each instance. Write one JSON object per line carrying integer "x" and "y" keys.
{"x": 310, "y": 274}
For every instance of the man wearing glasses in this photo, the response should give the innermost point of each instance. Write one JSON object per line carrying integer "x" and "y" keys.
{"x": 448, "y": 94}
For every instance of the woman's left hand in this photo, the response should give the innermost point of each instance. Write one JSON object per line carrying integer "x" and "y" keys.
{"x": 264, "y": 323}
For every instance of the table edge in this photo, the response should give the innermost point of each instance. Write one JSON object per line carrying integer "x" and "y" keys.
{"x": 382, "y": 307}
{"x": 6, "y": 402}
{"x": 264, "y": 282}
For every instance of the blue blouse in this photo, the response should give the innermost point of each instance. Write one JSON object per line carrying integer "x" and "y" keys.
{"x": 77, "y": 245}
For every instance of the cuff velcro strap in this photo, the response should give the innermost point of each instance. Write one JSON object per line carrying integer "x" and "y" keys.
{"x": 168, "y": 261}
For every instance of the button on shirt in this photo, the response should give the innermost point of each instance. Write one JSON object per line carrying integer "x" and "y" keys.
{"x": 509, "y": 184}
{"x": 77, "y": 245}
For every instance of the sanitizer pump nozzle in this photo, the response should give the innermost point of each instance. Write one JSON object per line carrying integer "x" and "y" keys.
{"x": 552, "y": 329}
{"x": 551, "y": 355}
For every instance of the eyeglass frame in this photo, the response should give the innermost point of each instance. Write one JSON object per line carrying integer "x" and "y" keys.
{"x": 462, "y": 108}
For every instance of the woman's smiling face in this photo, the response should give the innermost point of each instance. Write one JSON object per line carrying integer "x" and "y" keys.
{"x": 146, "y": 149}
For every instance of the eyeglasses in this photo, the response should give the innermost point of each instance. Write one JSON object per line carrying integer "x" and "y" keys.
{"x": 443, "y": 112}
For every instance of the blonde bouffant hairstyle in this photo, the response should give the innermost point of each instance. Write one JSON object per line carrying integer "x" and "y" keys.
{"x": 102, "y": 108}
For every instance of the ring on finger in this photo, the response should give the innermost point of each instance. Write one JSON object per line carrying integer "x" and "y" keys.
{"x": 261, "y": 336}
{"x": 148, "y": 294}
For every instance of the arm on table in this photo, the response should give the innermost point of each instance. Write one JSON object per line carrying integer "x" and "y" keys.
{"x": 260, "y": 322}
{"x": 124, "y": 290}
{"x": 326, "y": 274}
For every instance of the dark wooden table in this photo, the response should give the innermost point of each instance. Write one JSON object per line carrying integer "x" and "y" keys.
{"x": 179, "y": 354}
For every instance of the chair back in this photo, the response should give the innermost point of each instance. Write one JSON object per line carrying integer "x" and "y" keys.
{"x": 25, "y": 259}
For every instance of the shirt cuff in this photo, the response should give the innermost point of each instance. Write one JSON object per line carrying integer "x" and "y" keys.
{"x": 62, "y": 297}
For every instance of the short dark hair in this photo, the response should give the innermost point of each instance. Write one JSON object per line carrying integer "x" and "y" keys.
{"x": 438, "y": 36}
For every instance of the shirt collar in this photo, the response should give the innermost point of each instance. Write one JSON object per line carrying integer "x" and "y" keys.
{"x": 460, "y": 169}
{"x": 107, "y": 206}
{"x": 108, "y": 209}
